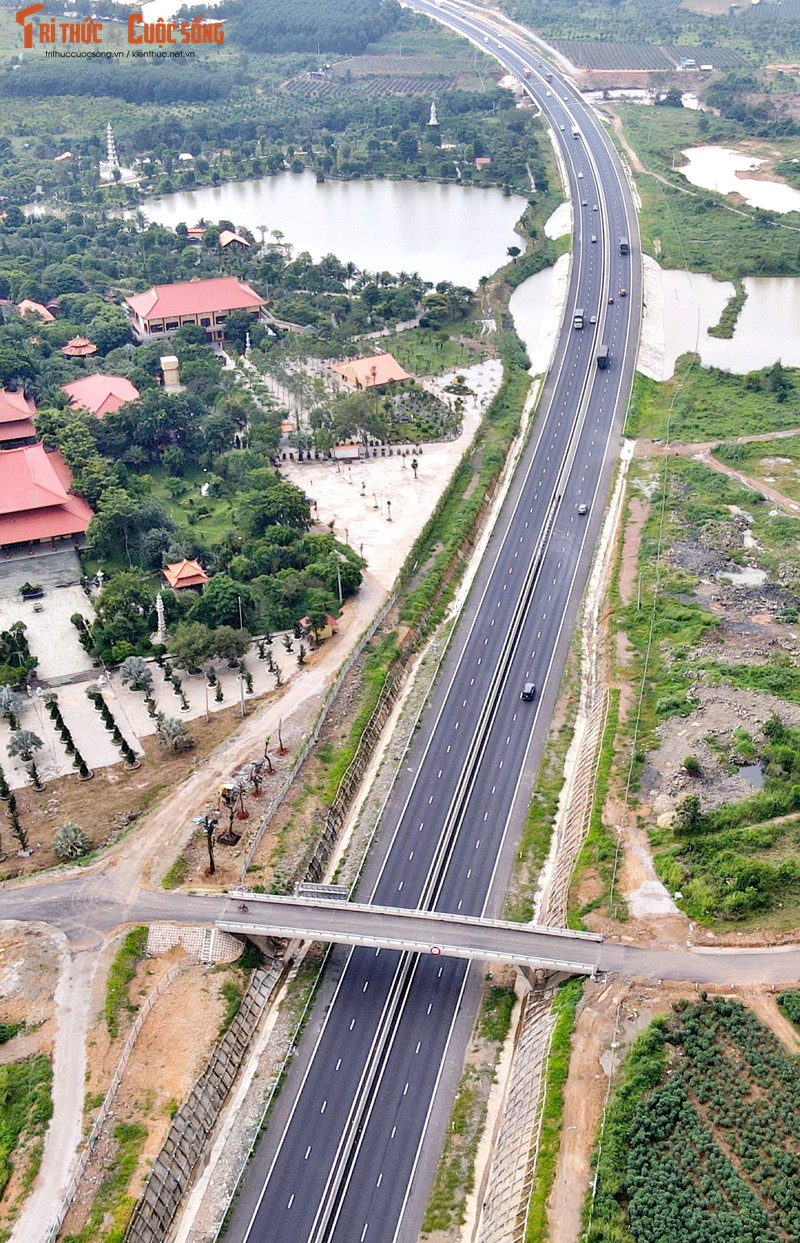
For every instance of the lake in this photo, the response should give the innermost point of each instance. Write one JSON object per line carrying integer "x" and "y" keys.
{"x": 720, "y": 169}
{"x": 443, "y": 232}
{"x": 765, "y": 331}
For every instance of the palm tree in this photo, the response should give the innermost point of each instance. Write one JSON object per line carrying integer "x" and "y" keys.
{"x": 10, "y": 705}
{"x": 173, "y": 735}
{"x": 23, "y": 743}
{"x": 136, "y": 671}
{"x": 70, "y": 842}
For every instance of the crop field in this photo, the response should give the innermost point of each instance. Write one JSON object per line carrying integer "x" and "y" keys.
{"x": 394, "y": 68}
{"x": 599, "y": 55}
{"x": 375, "y": 87}
{"x": 702, "y": 1136}
{"x": 592, "y": 54}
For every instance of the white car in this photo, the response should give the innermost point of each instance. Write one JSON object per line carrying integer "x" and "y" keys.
{"x": 561, "y": 127}
{"x": 592, "y": 319}
{"x": 584, "y": 202}
{"x": 548, "y": 94}
{"x": 594, "y": 237}
{"x": 580, "y": 175}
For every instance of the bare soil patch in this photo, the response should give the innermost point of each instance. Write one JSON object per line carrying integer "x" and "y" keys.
{"x": 114, "y": 798}
{"x": 296, "y": 823}
{"x": 170, "y": 1051}
{"x": 28, "y": 972}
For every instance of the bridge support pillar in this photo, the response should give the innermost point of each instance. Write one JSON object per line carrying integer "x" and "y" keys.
{"x": 539, "y": 979}
{"x": 271, "y": 947}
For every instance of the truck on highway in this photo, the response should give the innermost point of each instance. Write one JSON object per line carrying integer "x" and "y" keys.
{"x": 602, "y": 358}
{"x": 579, "y": 318}
{"x": 576, "y": 133}
{"x": 624, "y": 246}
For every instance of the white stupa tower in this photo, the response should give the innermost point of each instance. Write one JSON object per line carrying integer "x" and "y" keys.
{"x": 112, "y": 159}
{"x": 111, "y": 165}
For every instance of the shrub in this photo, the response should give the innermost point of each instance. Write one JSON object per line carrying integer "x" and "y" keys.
{"x": 70, "y": 842}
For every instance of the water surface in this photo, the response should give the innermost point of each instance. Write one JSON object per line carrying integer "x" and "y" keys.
{"x": 443, "y": 232}
{"x": 720, "y": 169}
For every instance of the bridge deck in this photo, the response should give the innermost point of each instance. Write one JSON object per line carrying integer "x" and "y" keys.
{"x": 417, "y": 931}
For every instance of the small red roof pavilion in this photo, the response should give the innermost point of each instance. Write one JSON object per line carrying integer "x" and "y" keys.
{"x": 185, "y": 574}
{"x": 79, "y": 347}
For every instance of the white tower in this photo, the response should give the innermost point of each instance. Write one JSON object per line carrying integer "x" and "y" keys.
{"x": 111, "y": 147}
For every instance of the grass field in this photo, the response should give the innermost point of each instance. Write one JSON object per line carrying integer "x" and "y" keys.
{"x": 706, "y": 404}
{"x": 698, "y": 229}
{"x": 777, "y": 464}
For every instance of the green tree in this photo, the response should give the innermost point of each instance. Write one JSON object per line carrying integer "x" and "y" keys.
{"x": 230, "y": 644}
{"x": 271, "y": 501}
{"x": 137, "y": 672}
{"x": 688, "y": 815}
{"x": 224, "y": 602}
{"x": 190, "y": 644}
{"x": 173, "y": 735}
{"x": 319, "y": 604}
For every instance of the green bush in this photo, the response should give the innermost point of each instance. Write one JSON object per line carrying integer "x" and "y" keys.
{"x": 122, "y": 971}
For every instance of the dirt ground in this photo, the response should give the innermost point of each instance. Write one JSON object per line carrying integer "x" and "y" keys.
{"x": 28, "y": 973}
{"x": 296, "y": 822}
{"x": 170, "y": 1051}
{"x": 113, "y": 799}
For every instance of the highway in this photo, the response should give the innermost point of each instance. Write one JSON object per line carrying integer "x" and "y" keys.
{"x": 350, "y": 1152}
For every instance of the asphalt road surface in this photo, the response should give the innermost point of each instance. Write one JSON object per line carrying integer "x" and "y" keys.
{"x": 351, "y": 1151}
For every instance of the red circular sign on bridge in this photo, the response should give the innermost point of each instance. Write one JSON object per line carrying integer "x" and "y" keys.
{"x": 435, "y": 949}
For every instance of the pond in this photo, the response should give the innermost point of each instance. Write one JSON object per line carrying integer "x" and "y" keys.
{"x": 766, "y": 330}
{"x": 721, "y": 168}
{"x": 443, "y": 232}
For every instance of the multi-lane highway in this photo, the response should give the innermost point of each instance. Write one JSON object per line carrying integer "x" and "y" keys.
{"x": 351, "y": 1149}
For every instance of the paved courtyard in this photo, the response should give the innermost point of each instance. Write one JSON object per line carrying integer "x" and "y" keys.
{"x": 376, "y": 504}
{"x": 51, "y": 636}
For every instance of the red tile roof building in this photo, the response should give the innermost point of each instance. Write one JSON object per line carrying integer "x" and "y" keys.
{"x": 185, "y": 574}
{"x": 226, "y": 238}
{"x": 28, "y": 307}
{"x": 36, "y": 505}
{"x": 79, "y": 347}
{"x": 16, "y": 418}
{"x": 372, "y": 372}
{"x": 100, "y": 394}
{"x": 165, "y": 308}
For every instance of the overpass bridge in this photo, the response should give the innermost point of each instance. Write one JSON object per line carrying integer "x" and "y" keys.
{"x": 420, "y": 932}
{"x": 532, "y": 948}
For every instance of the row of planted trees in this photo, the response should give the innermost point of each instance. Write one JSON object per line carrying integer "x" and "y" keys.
{"x": 70, "y": 842}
